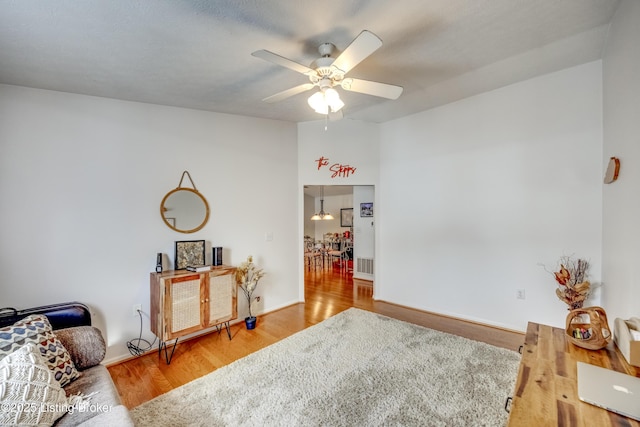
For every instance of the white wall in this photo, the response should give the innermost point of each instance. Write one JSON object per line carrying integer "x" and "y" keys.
{"x": 81, "y": 181}
{"x": 621, "y": 203}
{"x": 363, "y": 229}
{"x": 345, "y": 142}
{"x": 309, "y": 210}
{"x": 475, "y": 194}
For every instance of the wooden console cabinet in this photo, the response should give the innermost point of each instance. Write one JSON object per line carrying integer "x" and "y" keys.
{"x": 184, "y": 302}
{"x": 546, "y": 392}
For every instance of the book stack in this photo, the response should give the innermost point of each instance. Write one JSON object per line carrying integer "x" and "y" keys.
{"x": 198, "y": 268}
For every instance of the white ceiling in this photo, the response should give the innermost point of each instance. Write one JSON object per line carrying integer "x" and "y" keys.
{"x": 197, "y": 53}
{"x": 327, "y": 190}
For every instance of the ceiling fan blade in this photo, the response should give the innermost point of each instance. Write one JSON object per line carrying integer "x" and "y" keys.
{"x": 362, "y": 46}
{"x": 283, "y": 62}
{"x": 289, "y": 92}
{"x": 382, "y": 90}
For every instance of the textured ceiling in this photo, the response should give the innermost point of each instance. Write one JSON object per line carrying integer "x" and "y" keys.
{"x": 197, "y": 53}
{"x": 327, "y": 190}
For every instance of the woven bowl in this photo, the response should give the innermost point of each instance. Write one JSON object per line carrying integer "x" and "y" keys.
{"x": 588, "y": 328}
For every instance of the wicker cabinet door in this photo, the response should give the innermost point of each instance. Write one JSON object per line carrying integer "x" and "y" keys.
{"x": 184, "y": 314}
{"x": 222, "y": 298}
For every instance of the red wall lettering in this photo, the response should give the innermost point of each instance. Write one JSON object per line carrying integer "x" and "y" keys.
{"x": 337, "y": 170}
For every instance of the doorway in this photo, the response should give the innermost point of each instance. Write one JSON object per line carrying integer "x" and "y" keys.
{"x": 352, "y": 209}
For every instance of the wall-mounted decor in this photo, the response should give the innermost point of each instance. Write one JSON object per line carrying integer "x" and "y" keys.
{"x": 613, "y": 169}
{"x": 366, "y": 209}
{"x": 346, "y": 217}
{"x": 189, "y": 252}
{"x": 184, "y": 209}
{"x": 337, "y": 170}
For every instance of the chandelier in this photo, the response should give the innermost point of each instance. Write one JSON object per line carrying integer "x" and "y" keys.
{"x": 322, "y": 214}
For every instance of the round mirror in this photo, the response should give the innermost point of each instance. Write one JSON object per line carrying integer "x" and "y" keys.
{"x": 184, "y": 210}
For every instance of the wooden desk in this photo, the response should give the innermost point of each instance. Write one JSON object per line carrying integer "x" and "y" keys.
{"x": 546, "y": 392}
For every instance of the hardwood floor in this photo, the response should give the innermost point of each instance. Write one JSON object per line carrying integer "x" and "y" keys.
{"x": 327, "y": 292}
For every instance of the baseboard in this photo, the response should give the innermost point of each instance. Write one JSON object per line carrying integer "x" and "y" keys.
{"x": 456, "y": 317}
{"x": 362, "y": 282}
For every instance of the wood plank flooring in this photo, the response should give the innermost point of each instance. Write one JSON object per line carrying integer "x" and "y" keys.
{"x": 327, "y": 292}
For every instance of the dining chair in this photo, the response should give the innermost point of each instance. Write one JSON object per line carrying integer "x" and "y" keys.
{"x": 339, "y": 254}
{"x": 313, "y": 255}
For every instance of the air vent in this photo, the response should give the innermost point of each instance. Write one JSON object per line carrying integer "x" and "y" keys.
{"x": 364, "y": 265}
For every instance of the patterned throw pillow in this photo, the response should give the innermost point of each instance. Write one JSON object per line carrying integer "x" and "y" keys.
{"x": 36, "y": 329}
{"x": 29, "y": 394}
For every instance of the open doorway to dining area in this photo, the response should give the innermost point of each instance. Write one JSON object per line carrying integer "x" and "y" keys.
{"x": 339, "y": 235}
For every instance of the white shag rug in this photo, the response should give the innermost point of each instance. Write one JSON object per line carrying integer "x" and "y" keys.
{"x": 354, "y": 369}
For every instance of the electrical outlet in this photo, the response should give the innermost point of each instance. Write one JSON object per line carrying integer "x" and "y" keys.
{"x": 520, "y": 294}
{"x": 136, "y": 308}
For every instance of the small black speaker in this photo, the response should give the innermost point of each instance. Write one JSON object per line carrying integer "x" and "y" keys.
{"x": 216, "y": 258}
{"x": 159, "y": 263}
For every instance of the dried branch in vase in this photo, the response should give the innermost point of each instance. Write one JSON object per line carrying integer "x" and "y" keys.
{"x": 573, "y": 288}
{"x": 247, "y": 276}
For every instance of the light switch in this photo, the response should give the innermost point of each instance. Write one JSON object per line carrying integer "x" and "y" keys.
{"x": 268, "y": 236}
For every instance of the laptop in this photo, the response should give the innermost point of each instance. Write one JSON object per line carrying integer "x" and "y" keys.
{"x": 608, "y": 389}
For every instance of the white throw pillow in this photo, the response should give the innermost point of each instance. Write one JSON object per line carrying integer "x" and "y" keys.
{"x": 29, "y": 393}
{"x": 36, "y": 329}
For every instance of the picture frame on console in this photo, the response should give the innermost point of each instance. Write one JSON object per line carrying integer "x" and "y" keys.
{"x": 189, "y": 252}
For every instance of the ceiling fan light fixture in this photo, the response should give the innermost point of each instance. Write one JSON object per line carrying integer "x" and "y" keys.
{"x": 333, "y": 99}
{"x": 337, "y": 106}
{"x": 325, "y": 100}
{"x": 318, "y": 103}
{"x": 331, "y": 96}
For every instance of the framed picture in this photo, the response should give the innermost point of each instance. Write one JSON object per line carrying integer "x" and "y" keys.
{"x": 366, "y": 209}
{"x": 189, "y": 252}
{"x": 346, "y": 217}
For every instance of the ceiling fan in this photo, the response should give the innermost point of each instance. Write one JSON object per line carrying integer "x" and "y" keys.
{"x": 327, "y": 72}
